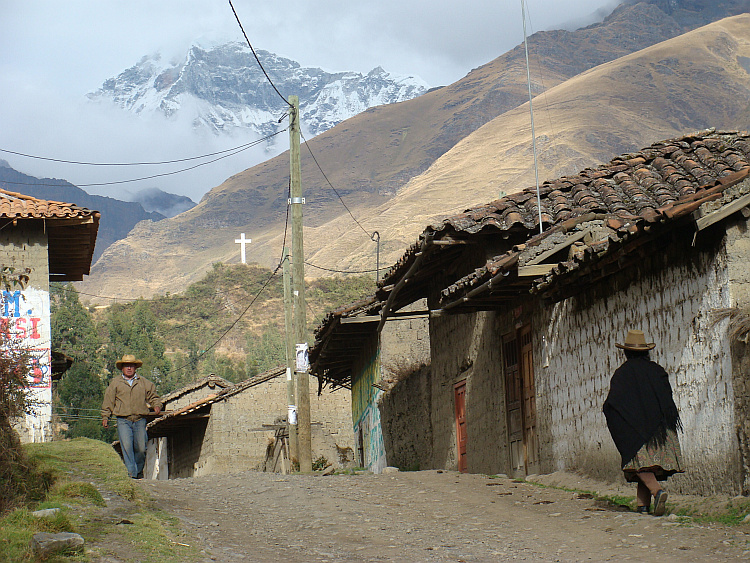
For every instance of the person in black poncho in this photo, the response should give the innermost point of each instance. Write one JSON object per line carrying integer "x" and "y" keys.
{"x": 643, "y": 420}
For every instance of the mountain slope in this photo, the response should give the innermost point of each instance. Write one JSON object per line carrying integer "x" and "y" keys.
{"x": 696, "y": 81}
{"x": 371, "y": 156}
{"x": 118, "y": 217}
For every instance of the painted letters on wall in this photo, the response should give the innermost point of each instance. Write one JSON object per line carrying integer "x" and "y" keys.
{"x": 25, "y": 320}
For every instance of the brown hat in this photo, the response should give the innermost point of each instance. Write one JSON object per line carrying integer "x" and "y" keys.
{"x": 128, "y": 359}
{"x": 636, "y": 341}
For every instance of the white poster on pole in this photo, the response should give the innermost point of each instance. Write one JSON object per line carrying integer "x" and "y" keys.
{"x": 303, "y": 362}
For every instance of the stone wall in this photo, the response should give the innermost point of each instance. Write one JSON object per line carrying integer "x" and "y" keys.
{"x": 671, "y": 298}
{"x": 27, "y": 312}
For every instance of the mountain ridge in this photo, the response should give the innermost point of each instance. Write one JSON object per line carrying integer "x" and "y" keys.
{"x": 221, "y": 89}
{"x": 413, "y": 138}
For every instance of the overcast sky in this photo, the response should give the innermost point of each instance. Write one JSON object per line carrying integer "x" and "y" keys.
{"x": 53, "y": 52}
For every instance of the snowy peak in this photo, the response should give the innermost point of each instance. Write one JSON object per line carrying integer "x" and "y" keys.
{"x": 222, "y": 88}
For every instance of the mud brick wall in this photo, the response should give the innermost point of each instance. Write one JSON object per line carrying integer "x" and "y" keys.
{"x": 25, "y": 246}
{"x": 405, "y": 422}
{"x": 468, "y": 347}
{"x": 189, "y": 451}
{"x": 239, "y": 443}
{"x": 671, "y": 298}
{"x": 738, "y": 265}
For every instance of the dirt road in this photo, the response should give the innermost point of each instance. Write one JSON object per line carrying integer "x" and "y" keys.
{"x": 424, "y": 516}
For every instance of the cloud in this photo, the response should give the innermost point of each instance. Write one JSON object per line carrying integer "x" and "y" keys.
{"x": 55, "y": 52}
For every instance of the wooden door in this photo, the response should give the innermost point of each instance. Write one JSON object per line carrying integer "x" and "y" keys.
{"x": 461, "y": 435}
{"x": 530, "y": 444}
{"x": 514, "y": 405}
{"x": 520, "y": 402}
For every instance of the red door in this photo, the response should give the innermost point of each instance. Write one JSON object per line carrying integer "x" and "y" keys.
{"x": 461, "y": 438}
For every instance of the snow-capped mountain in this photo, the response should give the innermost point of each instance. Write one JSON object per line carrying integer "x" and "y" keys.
{"x": 222, "y": 88}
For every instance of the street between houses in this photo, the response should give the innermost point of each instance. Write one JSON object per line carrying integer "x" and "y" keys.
{"x": 425, "y": 516}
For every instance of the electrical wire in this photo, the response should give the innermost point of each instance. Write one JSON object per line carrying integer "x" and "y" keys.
{"x": 315, "y": 160}
{"x": 256, "y": 55}
{"x": 246, "y": 145}
{"x": 343, "y": 271}
{"x": 216, "y": 342}
{"x": 153, "y": 175}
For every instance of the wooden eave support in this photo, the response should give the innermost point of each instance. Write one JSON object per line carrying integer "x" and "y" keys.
{"x": 423, "y": 251}
{"x": 704, "y": 221}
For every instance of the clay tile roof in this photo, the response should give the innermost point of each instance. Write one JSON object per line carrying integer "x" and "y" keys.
{"x": 636, "y": 184}
{"x": 71, "y": 231}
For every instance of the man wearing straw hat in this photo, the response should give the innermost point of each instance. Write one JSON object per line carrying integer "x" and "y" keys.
{"x": 128, "y": 397}
{"x": 643, "y": 420}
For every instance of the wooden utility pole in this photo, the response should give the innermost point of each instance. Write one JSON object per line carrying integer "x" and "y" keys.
{"x": 304, "y": 439}
{"x": 290, "y": 358}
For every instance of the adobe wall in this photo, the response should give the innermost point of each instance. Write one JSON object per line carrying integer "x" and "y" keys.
{"x": 738, "y": 262}
{"x": 27, "y": 311}
{"x": 405, "y": 422}
{"x": 239, "y": 441}
{"x": 190, "y": 451}
{"x": 671, "y": 299}
{"x": 467, "y": 347}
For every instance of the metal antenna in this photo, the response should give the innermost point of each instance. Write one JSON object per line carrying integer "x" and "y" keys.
{"x": 531, "y": 110}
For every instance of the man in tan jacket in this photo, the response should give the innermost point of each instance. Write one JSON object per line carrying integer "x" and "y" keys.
{"x": 128, "y": 397}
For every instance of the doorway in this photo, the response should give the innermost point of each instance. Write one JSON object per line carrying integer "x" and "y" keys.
{"x": 461, "y": 435}
{"x": 520, "y": 402}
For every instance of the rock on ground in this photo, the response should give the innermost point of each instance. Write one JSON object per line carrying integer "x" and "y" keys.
{"x": 44, "y": 544}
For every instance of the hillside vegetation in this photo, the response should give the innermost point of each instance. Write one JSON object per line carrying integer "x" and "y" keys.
{"x": 230, "y": 323}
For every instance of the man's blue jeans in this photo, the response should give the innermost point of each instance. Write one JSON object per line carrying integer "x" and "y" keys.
{"x": 133, "y": 443}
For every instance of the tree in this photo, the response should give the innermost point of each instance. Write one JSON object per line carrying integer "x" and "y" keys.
{"x": 79, "y": 393}
{"x": 133, "y": 329}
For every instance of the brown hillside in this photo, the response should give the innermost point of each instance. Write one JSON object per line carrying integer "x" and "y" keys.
{"x": 369, "y": 157}
{"x": 698, "y": 80}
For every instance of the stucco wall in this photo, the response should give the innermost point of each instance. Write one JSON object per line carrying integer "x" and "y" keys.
{"x": 738, "y": 266}
{"x": 27, "y": 312}
{"x": 575, "y": 360}
{"x": 366, "y": 421}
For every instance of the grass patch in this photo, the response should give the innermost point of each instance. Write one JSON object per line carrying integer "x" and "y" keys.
{"x": 74, "y": 469}
{"x": 730, "y": 514}
{"x": 17, "y": 528}
{"x": 160, "y": 538}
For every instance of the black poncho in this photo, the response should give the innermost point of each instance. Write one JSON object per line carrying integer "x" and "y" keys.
{"x": 640, "y": 408}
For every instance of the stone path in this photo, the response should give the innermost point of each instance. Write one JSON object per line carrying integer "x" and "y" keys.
{"x": 424, "y": 516}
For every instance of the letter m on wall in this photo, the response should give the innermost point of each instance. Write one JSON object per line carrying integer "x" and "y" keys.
{"x": 12, "y": 301}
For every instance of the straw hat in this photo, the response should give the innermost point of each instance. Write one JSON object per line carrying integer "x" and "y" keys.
{"x": 636, "y": 341}
{"x": 128, "y": 359}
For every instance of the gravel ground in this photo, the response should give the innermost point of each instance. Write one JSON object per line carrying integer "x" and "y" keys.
{"x": 424, "y": 516}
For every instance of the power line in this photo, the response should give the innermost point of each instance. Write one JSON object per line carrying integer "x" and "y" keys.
{"x": 256, "y": 55}
{"x": 209, "y": 348}
{"x": 83, "y": 163}
{"x": 307, "y": 144}
{"x": 153, "y": 175}
{"x": 342, "y": 271}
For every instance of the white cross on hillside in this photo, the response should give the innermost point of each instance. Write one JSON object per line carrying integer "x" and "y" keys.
{"x": 243, "y": 241}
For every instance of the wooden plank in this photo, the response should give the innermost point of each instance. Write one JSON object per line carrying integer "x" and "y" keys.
{"x": 723, "y": 212}
{"x": 557, "y": 248}
{"x": 536, "y": 271}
